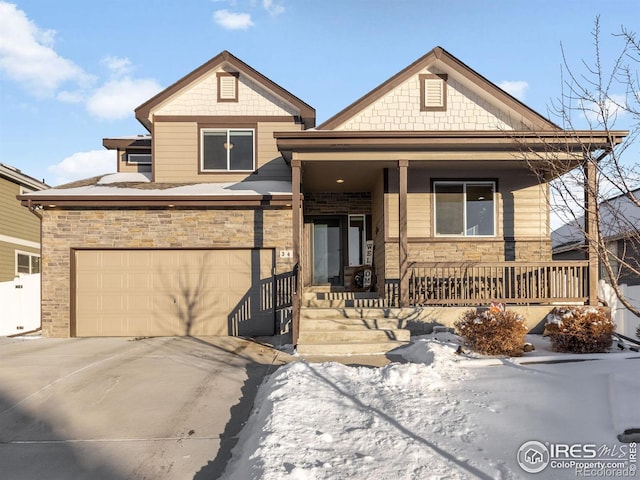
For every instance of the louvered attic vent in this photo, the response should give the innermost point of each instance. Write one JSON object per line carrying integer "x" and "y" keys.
{"x": 227, "y": 87}
{"x": 433, "y": 92}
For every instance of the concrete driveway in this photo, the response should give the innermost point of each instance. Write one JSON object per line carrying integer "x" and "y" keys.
{"x": 118, "y": 408}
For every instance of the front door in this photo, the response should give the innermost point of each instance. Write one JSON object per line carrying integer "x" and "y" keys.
{"x": 327, "y": 251}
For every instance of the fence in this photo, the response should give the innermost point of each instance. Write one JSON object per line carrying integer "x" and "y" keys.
{"x": 20, "y": 305}
{"x": 626, "y": 322}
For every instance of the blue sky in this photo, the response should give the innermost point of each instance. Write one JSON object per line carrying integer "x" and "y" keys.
{"x": 72, "y": 71}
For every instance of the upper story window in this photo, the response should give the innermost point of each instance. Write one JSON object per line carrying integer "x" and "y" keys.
{"x": 464, "y": 208}
{"x": 139, "y": 158}
{"x": 433, "y": 92}
{"x": 227, "y": 87}
{"x": 227, "y": 150}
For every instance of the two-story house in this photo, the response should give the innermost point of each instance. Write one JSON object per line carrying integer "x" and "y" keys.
{"x": 19, "y": 229}
{"x": 236, "y": 200}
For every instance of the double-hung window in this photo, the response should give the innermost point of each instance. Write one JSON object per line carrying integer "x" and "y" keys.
{"x": 229, "y": 149}
{"x": 465, "y": 208}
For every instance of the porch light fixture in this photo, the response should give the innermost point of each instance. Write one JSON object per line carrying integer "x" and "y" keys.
{"x": 53, "y": 205}
{"x": 340, "y": 180}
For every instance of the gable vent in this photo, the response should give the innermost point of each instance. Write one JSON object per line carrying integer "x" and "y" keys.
{"x": 433, "y": 92}
{"x": 227, "y": 87}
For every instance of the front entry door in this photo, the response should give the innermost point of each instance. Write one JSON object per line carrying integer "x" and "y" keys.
{"x": 327, "y": 251}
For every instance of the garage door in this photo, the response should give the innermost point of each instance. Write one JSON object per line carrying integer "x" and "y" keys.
{"x": 173, "y": 292}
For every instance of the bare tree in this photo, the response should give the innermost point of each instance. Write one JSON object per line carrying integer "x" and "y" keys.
{"x": 600, "y": 95}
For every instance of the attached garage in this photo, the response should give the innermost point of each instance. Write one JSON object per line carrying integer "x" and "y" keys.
{"x": 140, "y": 292}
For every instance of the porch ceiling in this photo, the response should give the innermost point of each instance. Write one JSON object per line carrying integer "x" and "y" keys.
{"x": 361, "y": 175}
{"x": 355, "y": 176}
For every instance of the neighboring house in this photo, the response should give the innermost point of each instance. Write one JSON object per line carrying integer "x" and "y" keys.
{"x": 620, "y": 227}
{"x": 19, "y": 228}
{"x": 236, "y": 201}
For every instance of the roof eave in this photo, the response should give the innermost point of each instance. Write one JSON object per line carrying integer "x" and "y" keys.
{"x": 154, "y": 201}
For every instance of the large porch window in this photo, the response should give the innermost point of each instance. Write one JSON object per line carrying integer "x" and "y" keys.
{"x": 464, "y": 208}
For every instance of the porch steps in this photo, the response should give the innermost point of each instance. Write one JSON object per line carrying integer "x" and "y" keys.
{"x": 343, "y": 300}
{"x": 347, "y": 323}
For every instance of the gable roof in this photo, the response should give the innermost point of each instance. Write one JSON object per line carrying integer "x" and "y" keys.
{"x": 143, "y": 112}
{"x": 452, "y": 64}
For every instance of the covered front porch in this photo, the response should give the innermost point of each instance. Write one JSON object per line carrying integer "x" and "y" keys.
{"x": 415, "y": 264}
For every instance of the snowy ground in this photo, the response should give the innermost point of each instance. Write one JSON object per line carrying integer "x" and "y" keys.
{"x": 442, "y": 416}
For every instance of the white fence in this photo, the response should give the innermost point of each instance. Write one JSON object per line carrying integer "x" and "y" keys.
{"x": 20, "y": 305}
{"x": 626, "y": 323}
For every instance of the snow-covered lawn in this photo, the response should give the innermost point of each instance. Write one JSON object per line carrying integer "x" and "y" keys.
{"x": 441, "y": 415}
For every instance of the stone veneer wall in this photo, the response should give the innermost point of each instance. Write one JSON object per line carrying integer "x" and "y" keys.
{"x": 63, "y": 230}
{"x": 468, "y": 251}
{"x": 337, "y": 203}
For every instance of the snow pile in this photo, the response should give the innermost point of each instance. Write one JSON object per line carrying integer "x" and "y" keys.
{"x": 434, "y": 418}
{"x": 322, "y": 421}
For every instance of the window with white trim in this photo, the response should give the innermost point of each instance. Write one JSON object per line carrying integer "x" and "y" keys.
{"x": 227, "y": 150}
{"x": 464, "y": 208}
{"x": 27, "y": 263}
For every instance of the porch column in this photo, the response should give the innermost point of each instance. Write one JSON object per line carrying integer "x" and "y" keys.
{"x": 402, "y": 230}
{"x": 591, "y": 226}
{"x": 296, "y": 214}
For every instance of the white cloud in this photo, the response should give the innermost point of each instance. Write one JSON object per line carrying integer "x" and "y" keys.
{"x": 272, "y": 8}
{"x": 231, "y": 20}
{"x": 118, "y": 66}
{"x": 83, "y": 165}
{"x": 27, "y": 55}
{"x": 516, "y": 88}
{"x": 117, "y": 98}
{"x": 612, "y": 107}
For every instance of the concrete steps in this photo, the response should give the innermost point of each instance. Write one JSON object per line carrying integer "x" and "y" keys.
{"x": 348, "y": 323}
{"x": 341, "y": 299}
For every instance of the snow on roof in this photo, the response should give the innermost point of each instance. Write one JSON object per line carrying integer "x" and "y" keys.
{"x": 618, "y": 216}
{"x": 139, "y": 184}
{"x": 129, "y": 177}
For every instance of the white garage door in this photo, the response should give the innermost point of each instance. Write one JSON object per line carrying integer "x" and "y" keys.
{"x": 173, "y": 292}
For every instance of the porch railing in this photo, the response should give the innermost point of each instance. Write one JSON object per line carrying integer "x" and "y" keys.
{"x": 445, "y": 283}
{"x": 284, "y": 289}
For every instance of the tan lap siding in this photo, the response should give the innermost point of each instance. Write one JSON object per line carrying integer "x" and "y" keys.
{"x": 271, "y": 166}
{"x": 175, "y": 155}
{"x": 16, "y": 220}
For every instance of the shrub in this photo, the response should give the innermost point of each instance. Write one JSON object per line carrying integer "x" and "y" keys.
{"x": 579, "y": 330}
{"x": 493, "y": 332}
